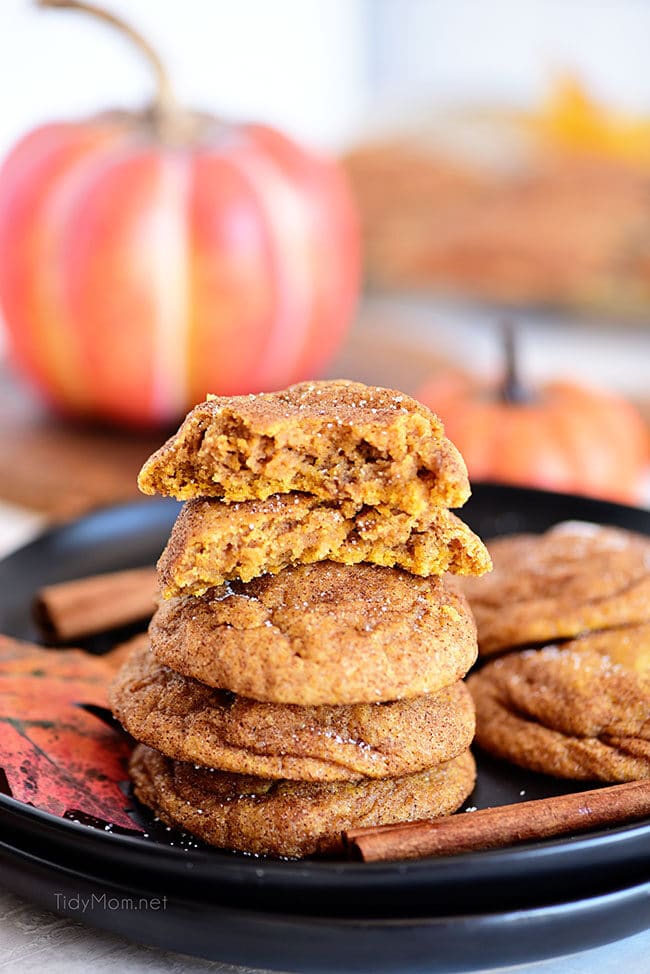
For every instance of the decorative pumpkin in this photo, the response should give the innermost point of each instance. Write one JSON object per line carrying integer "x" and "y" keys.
{"x": 563, "y": 437}
{"x": 148, "y": 259}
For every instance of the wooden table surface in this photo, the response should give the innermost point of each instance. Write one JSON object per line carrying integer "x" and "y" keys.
{"x": 63, "y": 469}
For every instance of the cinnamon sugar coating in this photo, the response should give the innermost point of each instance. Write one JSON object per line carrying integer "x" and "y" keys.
{"x": 191, "y": 722}
{"x": 579, "y": 710}
{"x": 321, "y": 633}
{"x": 290, "y": 818}
{"x": 338, "y": 440}
{"x": 575, "y": 578}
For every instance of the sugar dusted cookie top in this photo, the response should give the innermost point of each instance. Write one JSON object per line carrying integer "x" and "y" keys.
{"x": 336, "y": 440}
{"x": 574, "y": 578}
{"x": 580, "y": 709}
{"x": 320, "y": 634}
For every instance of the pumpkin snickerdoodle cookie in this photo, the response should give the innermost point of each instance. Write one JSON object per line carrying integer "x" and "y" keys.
{"x": 576, "y": 578}
{"x": 189, "y": 721}
{"x": 579, "y": 710}
{"x": 321, "y": 633}
{"x": 338, "y": 440}
{"x": 290, "y": 818}
{"x": 303, "y": 670}
{"x": 213, "y": 542}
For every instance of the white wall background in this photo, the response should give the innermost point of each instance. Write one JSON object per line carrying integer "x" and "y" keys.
{"x": 495, "y": 50}
{"x": 297, "y": 63}
{"x": 319, "y": 67}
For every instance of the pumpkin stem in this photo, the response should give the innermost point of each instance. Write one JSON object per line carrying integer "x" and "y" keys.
{"x": 511, "y": 390}
{"x": 165, "y": 106}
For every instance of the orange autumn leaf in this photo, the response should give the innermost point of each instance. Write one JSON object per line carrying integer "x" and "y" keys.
{"x": 55, "y": 755}
{"x": 571, "y": 119}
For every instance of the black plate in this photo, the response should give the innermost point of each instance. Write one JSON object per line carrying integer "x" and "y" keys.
{"x": 461, "y": 913}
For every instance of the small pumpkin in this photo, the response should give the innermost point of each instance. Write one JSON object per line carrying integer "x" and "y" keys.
{"x": 151, "y": 257}
{"x": 563, "y": 437}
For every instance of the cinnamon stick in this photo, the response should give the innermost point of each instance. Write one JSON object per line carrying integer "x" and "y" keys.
{"x": 492, "y": 828}
{"x": 95, "y": 604}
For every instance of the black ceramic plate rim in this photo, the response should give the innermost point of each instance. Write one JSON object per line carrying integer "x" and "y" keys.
{"x": 237, "y": 868}
{"x": 240, "y": 869}
{"x": 537, "y": 913}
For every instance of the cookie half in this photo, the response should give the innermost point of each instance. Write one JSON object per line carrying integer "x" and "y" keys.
{"x": 212, "y": 542}
{"x": 338, "y": 440}
{"x": 581, "y": 710}
{"x": 575, "y": 578}
{"x": 191, "y": 722}
{"x": 320, "y": 634}
{"x": 290, "y": 818}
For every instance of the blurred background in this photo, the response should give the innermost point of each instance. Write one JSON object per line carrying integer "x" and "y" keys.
{"x": 498, "y": 159}
{"x": 327, "y": 71}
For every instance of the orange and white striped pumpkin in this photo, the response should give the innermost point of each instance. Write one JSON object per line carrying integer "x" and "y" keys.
{"x": 134, "y": 279}
{"x": 139, "y": 272}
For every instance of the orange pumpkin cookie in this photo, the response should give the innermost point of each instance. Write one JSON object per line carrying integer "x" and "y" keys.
{"x": 290, "y": 818}
{"x": 581, "y": 710}
{"x": 339, "y": 441}
{"x": 212, "y": 542}
{"x": 191, "y": 722}
{"x": 320, "y": 634}
{"x": 575, "y": 578}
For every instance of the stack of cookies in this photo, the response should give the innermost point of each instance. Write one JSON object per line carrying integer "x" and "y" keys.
{"x": 303, "y": 672}
{"x": 568, "y": 613}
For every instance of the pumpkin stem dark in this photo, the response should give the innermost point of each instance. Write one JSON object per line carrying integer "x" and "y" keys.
{"x": 164, "y": 111}
{"x": 511, "y": 390}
